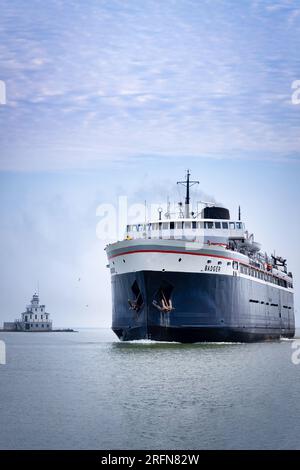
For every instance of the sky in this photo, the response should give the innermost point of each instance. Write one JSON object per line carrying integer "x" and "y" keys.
{"x": 108, "y": 99}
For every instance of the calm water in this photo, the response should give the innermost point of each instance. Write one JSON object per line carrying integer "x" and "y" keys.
{"x": 86, "y": 390}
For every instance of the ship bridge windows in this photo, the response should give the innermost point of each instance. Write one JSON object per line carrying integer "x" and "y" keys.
{"x": 223, "y": 225}
{"x": 164, "y": 227}
{"x": 136, "y": 228}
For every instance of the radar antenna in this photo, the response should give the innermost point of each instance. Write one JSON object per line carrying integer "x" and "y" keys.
{"x": 187, "y": 183}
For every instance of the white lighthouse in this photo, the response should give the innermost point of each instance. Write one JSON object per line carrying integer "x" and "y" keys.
{"x": 35, "y": 318}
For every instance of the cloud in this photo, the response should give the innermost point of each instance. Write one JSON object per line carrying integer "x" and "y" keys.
{"x": 109, "y": 81}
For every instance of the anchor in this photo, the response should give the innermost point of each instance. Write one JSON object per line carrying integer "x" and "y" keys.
{"x": 166, "y": 305}
{"x": 134, "y": 305}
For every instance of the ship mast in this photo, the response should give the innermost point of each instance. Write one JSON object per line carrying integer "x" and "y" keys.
{"x": 187, "y": 183}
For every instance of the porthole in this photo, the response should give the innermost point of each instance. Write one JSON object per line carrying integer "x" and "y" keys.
{"x": 208, "y": 261}
{"x": 219, "y": 262}
{"x": 123, "y": 260}
{"x": 179, "y": 259}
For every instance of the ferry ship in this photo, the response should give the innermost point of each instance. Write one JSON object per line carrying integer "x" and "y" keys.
{"x": 196, "y": 277}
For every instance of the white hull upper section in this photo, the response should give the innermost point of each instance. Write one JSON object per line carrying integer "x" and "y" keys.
{"x": 182, "y": 256}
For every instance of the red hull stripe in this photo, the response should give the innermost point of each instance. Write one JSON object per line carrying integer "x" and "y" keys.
{"x": 174, "y": 252}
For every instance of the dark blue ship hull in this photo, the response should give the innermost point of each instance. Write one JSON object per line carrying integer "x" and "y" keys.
{"x": 205, "y": 307}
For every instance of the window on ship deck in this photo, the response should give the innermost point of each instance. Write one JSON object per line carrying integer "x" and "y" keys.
{"x": 208, "y": 224}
